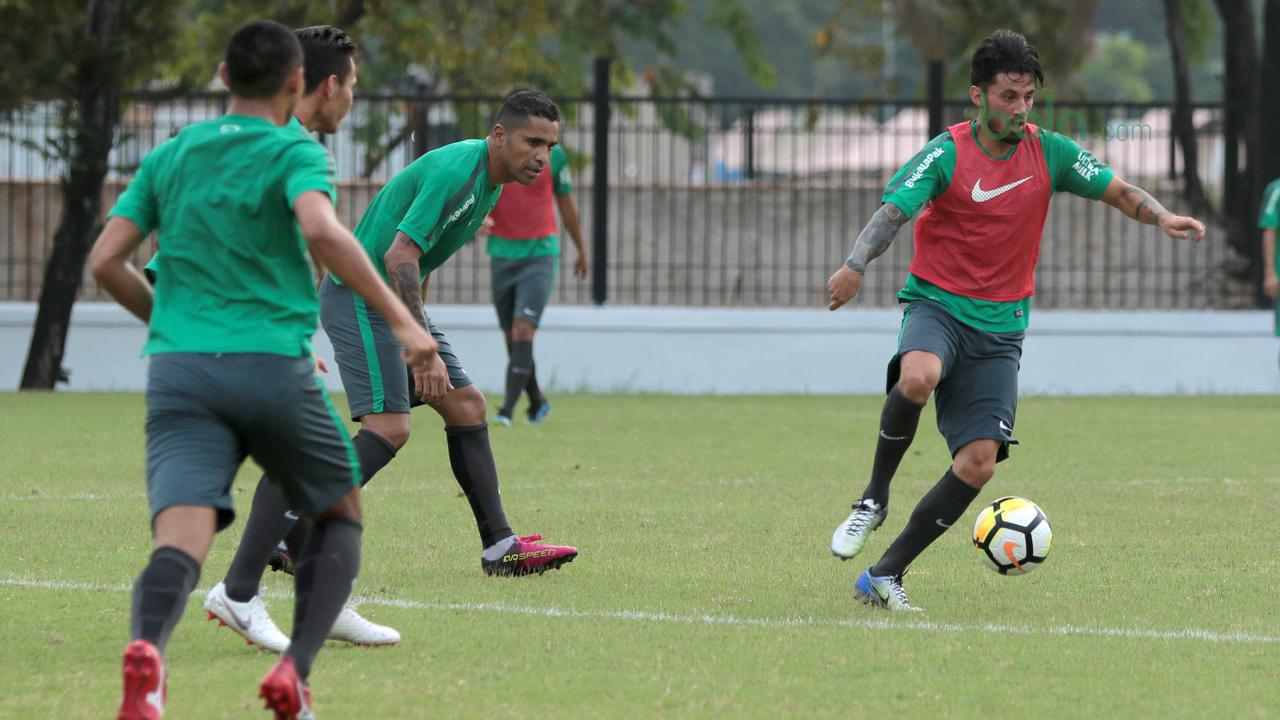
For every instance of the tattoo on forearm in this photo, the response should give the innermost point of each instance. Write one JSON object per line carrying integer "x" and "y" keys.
{"x": 1146, "y": 208}
{"x": 404, "y": 278}
{"x": 875, "y": 237}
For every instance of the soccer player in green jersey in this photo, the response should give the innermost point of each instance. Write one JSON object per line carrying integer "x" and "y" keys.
{"x": 423, "y": 215}
{"x": 1269, "y": 221}
{"x": 986, "y": 185}
{"x": 236, "y": 203}
{"x": 330, "y": 77}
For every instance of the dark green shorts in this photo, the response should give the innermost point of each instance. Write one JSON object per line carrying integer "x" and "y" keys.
{"x": 522, "y": 288}
{"x": 206, "y": 413}
{"x": 977, "y": 398}
{"x": 369, "y": 357}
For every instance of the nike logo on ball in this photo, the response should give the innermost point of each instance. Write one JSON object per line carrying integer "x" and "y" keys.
{"x": 980, "y": 195}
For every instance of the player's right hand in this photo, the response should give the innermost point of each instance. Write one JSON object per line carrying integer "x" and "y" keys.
{"x": 431, "y": 381}
{"x": 842, "y": 286}
{"x": 1271, "y": 285}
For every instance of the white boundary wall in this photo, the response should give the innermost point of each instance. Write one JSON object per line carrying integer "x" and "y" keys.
{"x": 748, "y": 351}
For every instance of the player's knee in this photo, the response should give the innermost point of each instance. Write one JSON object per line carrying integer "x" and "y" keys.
{"x": 469, "y": 408}
{"x": 392, "y": 427}
{"x": 975, "y": 468}
{"x": 347, "y": 508}
{"x": 917, "y": 382}
{"x": 522, "y": 330}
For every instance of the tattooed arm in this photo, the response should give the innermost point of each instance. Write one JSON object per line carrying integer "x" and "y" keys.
{"x": 875, "y": 237}
{"x": 431, "y": 383}
{"x": 872, "y": 242}
{"x": 401, "y": 261}
{"x": 1138, "y": 204}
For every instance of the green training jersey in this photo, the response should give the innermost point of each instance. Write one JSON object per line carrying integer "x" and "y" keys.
{"x": 928, "y": 175}
{"x": 1269, "y": 219}
{"x": 525, "y": 218}
{"x": 150, "y": 268}
{"x": 1269, "y": 215}
{"x": 234, "y": 274}
{"x": 439, "y": 201}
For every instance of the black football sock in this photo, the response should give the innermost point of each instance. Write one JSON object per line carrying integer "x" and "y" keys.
{"x": 519, "y": 368}
{"x": 160, "y": 595}
{"x": 936, "y": 511}
{"x": 898, "y": 422}
{"x": 531, "y": 389}
{"x": 323, "y": 578}
{"x": 296, "y": 538}
{"x": 374, "y": 452}
{"x": 473, "y": 466}
{"x": 269, "y": 519}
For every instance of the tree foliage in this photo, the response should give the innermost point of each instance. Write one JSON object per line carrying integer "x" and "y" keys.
{"x": 949, "y": 30}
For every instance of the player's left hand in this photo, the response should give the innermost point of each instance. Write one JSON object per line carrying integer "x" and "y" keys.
{"x": 580, "y": 267}
{"x": 321, "y": 365}
{"x": 1182, "y": 227}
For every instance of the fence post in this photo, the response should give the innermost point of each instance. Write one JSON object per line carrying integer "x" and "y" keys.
{"x": 600, "y": 186}
{"x": 749, "y": 152}
{"x": 935, "y": 99}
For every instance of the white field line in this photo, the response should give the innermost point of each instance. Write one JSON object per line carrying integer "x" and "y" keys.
{"x": 71, "y": 496}
{"x": 1203, "y": 481}
{"x": 883, "y": 623}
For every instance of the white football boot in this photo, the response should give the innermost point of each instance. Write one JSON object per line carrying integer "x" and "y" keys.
{"x": 885, "y": 592}
{"x": 351, "y": 627}
{"x": 249, "y": 619}
{"x": 851, "y": 535}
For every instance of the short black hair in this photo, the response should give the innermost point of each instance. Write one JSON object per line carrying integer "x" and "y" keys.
{"x": 326, "y": 51}
{"x": 522, "y": 104}
{"x": 259, "y": 57}
{"x": 1004, "y": 51}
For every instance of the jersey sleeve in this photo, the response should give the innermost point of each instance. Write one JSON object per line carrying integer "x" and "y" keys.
{"x": 1074, "y": 169}
{"x": 1269, "y": 217}
{"x": 924, "y": 177}
{"x": 138, "y": 202}
{"x": 422, "y": 217}
{"x": 560, "y": 174}
{"x": 309, "y": 167}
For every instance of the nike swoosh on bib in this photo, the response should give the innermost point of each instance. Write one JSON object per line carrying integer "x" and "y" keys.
{"x": 980, "y": 195}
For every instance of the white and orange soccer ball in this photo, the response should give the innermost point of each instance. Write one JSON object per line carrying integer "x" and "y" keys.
{"x": 1012, "y": 536}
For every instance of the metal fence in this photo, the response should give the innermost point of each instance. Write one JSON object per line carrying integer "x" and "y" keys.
{"x": 716, "y": 202}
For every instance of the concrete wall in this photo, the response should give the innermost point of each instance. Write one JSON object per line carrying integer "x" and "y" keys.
{"x": 704, "y": 351}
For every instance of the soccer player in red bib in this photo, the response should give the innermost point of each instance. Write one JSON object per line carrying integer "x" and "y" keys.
{"x": 984, "y": 187}
{"x": 524, "y": 248}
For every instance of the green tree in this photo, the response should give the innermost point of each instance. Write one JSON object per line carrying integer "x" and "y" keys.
{"x": 1116, "y": 70}
{"x": 81, "y": 55}
{"x": 949, "y": 30}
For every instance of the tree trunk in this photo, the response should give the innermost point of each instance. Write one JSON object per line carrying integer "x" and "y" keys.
{"x": 1183, "y": 127}
{"x": 1239, "y": 87}
{"x": 92, "y": 121}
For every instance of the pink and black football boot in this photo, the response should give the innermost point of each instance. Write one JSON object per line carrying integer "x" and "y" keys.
{"x": 527, "y": 557}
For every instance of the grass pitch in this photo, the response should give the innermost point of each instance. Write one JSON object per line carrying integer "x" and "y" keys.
{"x": 705, "y": 586}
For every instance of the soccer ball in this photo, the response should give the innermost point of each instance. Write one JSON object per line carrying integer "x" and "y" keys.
{"x": 1012, "y": 536}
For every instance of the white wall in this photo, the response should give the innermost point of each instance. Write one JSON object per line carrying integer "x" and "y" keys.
{"x": 682, "y": 350}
